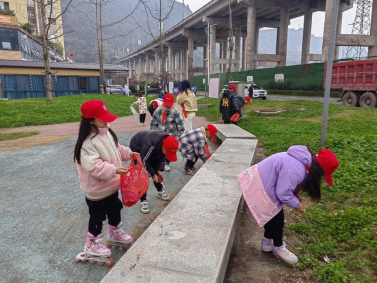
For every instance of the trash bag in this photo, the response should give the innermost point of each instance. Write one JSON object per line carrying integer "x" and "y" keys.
{"x": 134, "y": 184}
{"x": 134, "y": 112}
{"x": 235, "y": 118}
{"x": 206, "y": 150}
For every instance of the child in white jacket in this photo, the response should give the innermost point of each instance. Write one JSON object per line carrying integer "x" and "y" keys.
{"x": 98, "y": 158}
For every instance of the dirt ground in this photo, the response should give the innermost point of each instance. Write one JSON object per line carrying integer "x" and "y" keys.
{"x": 251, "y": 264}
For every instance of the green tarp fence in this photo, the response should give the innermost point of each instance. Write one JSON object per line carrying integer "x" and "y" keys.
{"x": 299, "y": 76}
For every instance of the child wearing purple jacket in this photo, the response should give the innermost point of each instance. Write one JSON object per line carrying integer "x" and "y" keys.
{"x": 277, "y": 180}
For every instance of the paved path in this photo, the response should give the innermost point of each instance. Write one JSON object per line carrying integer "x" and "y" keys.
{"x": 43, "y": 212}
{"x": 309, "y": 98}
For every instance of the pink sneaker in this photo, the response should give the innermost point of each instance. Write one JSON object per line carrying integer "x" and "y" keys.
{"x": 285, "y": 255}
{"x": 117, "y": 236}
{"x": 95, "y": 246}
{"x": 267, "y": 245}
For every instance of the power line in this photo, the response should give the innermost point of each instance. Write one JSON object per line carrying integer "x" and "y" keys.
{"x": 361, "y": 26}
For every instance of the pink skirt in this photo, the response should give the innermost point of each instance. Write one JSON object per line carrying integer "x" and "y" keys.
{"x": 259, "y": 202}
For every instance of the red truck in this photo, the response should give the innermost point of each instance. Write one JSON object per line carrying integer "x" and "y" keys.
{"x": 357, "y": 80}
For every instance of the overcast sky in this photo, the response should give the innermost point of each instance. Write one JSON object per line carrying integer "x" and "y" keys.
{"x": 318, "y": 18}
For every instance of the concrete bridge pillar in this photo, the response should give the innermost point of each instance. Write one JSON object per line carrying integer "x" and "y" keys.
{"x": 307, "y": 34}
{"x": 157, "y": 61}
{"x": 190, "y": 57}
{"x": 244, "y": 52}
{"x": 170, "y": 58}
{"x": 184, "y": 64}
{"x": 237, "y": 47}
{"x": 250, "y": 40}
{"x": 212, "y": 54}
{"x": 135, "y": 68}
{"x": 224, "y": 46}
{"x": 147, "y": 63}
{"x": 326, "y": 30}
{"x": 339, "y": 31}
{"x": 372, "y": 51}
{"x": 283, "y": 37}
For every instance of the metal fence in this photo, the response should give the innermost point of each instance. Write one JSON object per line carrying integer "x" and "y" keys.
{"x": 31, "y": 86}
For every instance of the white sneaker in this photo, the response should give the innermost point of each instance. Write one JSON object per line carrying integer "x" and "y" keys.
{"x": 285, "y": 255}
{"x": 144, "y": 207}
{"x": 167, "y": 167}
{"x": 140, "y": 124}
{"x": 163, "y": 194}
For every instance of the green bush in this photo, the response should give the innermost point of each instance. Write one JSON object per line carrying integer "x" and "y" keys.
{"x": 28, "y": 27}
{"x": 7, "y": 12}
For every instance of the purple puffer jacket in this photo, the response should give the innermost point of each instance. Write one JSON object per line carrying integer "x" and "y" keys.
{"x": 281, "y": 174}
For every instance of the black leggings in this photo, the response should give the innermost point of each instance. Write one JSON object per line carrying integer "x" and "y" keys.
{"x": 99, "y": 209}
{"x": 142, "y": 118}
{"x": 190, "y": 164}
{"x": 158, "y": 186}
{"x": 274, "y": 229}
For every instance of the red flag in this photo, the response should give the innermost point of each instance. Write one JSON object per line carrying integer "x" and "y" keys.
{"x": 72, "y": 54}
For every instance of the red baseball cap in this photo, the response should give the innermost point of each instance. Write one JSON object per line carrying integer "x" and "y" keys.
{"x": 213, "y": 130}
{"x": 329, "y": 163}
{"x": 233, "y": 87}
{"x": 170, "y": 144}
{"x": 155, "y": 104}
{"x": 248, "y": 99}
{"x": 97, "y": 109}
{"x": 169, "y": 99}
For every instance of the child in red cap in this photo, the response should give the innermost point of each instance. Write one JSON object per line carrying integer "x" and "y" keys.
{"x": 153, "y": 105}
{"x": 227, "y": 104}
{"x": 98, "y": 157}
{"x": 192, "y": 143}
{"x": 277, "y": 180}
{"x": 168, "y": 119}
{"x": 154, "y": 147}
{"x": 142, "y": 103}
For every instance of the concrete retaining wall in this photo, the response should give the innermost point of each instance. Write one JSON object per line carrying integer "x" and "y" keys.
{"x": 191, "y": 240}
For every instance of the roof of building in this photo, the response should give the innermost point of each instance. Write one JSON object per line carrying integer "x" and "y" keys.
{"x": 60, "y": 65}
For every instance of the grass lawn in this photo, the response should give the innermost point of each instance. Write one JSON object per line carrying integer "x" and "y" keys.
{"x": 36, "y": 111}
{"x": 16, "y": 135}
{"x": 346, "y": 218}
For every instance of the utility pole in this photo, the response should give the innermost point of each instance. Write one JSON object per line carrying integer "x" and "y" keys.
{"x": 183, "y": 10}
{"x": 361, "y": 26}
{"x": 330, "y": 60}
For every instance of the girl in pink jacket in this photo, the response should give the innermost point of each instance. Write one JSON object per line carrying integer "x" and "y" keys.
{"x": 98, "y": 158}
{"x": 277, "y": 180}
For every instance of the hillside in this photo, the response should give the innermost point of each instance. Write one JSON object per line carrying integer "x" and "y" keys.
{"x": 80, "y": 18}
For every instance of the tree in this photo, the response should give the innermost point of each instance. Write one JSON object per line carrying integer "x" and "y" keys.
{"x": 51, "y": 13}
{"x": 230, "y": 44}
{"x": 158, "y": 15}
{"x": 100, "y": 25}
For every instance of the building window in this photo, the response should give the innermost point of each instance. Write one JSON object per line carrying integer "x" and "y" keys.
{"x": 9, "y": 39}
{"x": 4, "y": 6}
{"x": 30, "y": 3}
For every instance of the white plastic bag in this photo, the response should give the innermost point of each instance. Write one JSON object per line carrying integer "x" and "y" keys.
{"x": 134, "y": 113}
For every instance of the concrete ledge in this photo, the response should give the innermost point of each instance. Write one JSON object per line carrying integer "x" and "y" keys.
{"x": 229, "y": 131}
{"x": 192, "y": 239}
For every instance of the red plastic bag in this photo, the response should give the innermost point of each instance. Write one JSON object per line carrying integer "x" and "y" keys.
{"x": 235, "y": 118}
{"x": 134, "y": 184}
{"x": 206, "y": 150}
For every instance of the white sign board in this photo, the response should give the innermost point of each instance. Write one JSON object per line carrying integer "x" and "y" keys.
{"x": 170, "y": 87}
{"x": 214, "y": 87}
{"x": 279, "y": 78}
{"x": 204, "y": 81}
{"x": 250, "y": 79}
